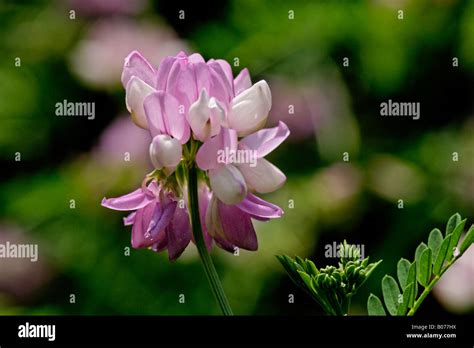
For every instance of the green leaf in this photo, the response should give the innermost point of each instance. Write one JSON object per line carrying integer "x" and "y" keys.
{"x": 313, "y": 270}
{"x": 468, "y": 240}
{"x": 424, "y": 267}
{"x": 455, "y": 239}
{"x": 410, "y": 294}
{"x": 405, "y": 299}
{"x": 418, "y": 252}
{"x": 318, "y": 297}
{"x": 402, "y": 272}
{"x": 434, "y": 241}
{"x": 411, "y": 279}
{"x": 307, "y": 280}
{"x": 365, "y": 262}
{"x": 369, "y": 270}
{"x": 286, "y": 262}
{"x": 442, "y": 253}
{"x": 301, "y": 262}
{"x": 375, "y": 306}
{"x": 452, "y": 223}
{"x": 321, "y": 299}
{"x": 291, "y": 267}
{"x": 390, "y": 293}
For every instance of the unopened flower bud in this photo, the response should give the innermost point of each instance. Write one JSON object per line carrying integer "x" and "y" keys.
{"x": 165, "y": 152}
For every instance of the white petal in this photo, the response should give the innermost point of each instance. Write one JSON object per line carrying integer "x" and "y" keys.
{"x": 264, "y": 177}
{"x": 213, "y": 222}
{"x": 228, "y": 184}
{"x": 250, "y": 109}
{"x": 165, "y": 152}
{"x": 137, "y": 91}
{"x": 205, "y": 117}
{"x": 217, "y": 116}
{"x": 198, "y": 117}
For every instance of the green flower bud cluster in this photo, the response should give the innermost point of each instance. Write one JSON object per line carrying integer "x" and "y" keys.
{"x": 349, "y": 253}
{"x": 332, "y": 287}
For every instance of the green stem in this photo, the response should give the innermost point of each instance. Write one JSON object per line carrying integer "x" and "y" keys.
{"x": 346, "y": 304}
{"x": 209, "y": 268}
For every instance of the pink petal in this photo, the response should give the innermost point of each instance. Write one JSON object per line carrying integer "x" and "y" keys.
{"x": 154, "y": 189}
{"x": 161, "y": 218}
{"x": 163, "y": 72}
{"x": 207, "y": 155}
{"x": 181, "y": 83}
{"x": 259, "y": 208}
{"x": 162, "y": 111}
{"x": 161, "y": 244}
{"x": 242, "y": 81}
{"x": 131, "y": 201}
{"x": 140, "y": 239}
{"x": 238, "y": 227}
{"x": 196, "y": 58}
{"x": 265, "y": 140}
{"x": 153, "y": 106}
{"x": 220, "y": 88}
{"x": 224, "y": 244}
{"x": 214, "y": 226}
{"x": 129, "y": 219}
{"x": 136, "y": 65}
{"x": 203, "y": 77}
{"x": 226, "y": 68}
{"x": 178, "y": 233}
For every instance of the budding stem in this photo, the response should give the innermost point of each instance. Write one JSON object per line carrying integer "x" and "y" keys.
{"x": 209, "y": 268}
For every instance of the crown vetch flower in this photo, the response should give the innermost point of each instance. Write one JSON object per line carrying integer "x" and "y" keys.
{"x": 231, "y": 181}
{"x": 195, "y": 111}
{"x": 157, "y": 219}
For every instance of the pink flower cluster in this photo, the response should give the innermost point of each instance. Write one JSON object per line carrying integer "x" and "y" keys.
{"x": 188, "y": 100}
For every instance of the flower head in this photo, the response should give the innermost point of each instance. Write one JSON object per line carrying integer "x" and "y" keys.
{"x": 198, "y": 114}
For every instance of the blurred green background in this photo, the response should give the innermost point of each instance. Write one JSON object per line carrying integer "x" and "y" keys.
{"x": 73, "y": 50}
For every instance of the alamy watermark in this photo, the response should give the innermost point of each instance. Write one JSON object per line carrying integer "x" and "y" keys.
{"x": 66, "y": 108}
{"x": 19, "y": 251}
{"x": 28, "y": 330}
{"x": 240, "y": 156}
{"x": 392, "y": 108}
{"x": 335, "y": 250}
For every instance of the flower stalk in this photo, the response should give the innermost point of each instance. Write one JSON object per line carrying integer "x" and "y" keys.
{"x": 207, "y": 263}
